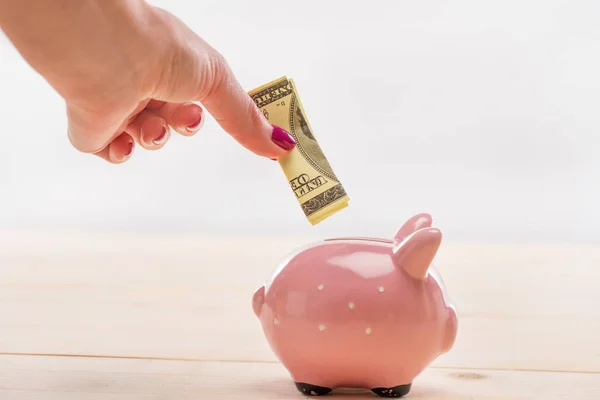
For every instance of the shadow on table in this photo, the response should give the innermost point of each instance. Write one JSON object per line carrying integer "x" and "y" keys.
{"x": 285, "y": 389}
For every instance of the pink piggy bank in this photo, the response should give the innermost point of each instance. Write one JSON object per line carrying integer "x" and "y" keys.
{"x": 359, "y": 312}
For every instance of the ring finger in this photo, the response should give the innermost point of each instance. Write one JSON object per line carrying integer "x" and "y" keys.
{"x": 149, "y": 130}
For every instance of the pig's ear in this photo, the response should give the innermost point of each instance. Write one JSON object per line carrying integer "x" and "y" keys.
{"x": 417, "y": 222}
{"x": 417, "y": 251}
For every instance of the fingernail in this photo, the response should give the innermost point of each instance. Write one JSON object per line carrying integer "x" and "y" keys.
{"x": 282, "y": 138}
{"x": 196, "y": 125}
{"x": 274, "y": 159}
{"x": 129, "y": 149}
{"x": 160, "y": 139}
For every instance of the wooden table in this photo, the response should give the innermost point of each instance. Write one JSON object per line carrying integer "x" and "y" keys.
{"x": 158, "y": 318}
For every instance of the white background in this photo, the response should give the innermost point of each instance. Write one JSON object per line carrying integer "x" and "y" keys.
{"x": 484, "y": 113}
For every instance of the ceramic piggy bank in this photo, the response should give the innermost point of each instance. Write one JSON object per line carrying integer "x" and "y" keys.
{"x": 359, "y": 312}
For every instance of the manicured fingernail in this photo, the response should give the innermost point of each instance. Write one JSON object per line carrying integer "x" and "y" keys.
{"x": 282, "y": 138}
{"x": 274, "y": 159}
{"x": 195, "y": 126}
{"x": 129, "y": 149}
{"x": 162, "y": 137}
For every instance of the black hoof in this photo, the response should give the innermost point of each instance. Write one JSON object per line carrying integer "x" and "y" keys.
{"x": 312, "y": 390}
{"x": 396, "y": 391}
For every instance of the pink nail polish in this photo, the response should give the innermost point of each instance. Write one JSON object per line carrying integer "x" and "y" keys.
{"x": 162, "y": 137}
{"x": 129, "y": 150}
{"x": 282, "y": 138}
{"x": 195, "y": 125}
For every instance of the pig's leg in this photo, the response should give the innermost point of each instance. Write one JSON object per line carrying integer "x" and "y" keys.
{"x": 312, "y": 390}
{"x": 396, "y": 391}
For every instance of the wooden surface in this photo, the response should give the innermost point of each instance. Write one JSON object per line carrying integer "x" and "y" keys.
{"x": 157, "y": 318}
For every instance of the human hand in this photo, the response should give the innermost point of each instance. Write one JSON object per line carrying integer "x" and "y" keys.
{"x": 130, "y": 72}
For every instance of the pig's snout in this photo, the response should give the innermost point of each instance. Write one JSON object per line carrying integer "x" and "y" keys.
{"x": 258, "y": 300}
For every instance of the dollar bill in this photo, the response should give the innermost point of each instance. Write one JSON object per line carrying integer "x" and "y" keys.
{"x": 313, "y": 182}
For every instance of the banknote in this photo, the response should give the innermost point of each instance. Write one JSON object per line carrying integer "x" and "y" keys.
{"x": 312, "y": 180}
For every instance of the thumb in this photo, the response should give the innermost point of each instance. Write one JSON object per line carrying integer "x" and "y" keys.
{"x": 200, "y": 73}
{"x": 238, "y": 115}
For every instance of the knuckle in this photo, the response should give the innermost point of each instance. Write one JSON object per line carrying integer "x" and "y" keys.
{"x": 77, "y": 144}
{"x": 88, "y": 146}
{"x": 254, "y": 115}
{"x": 215, "y": 76}
{"x": 81, "y": 137}
{"x": 170, "y": 68}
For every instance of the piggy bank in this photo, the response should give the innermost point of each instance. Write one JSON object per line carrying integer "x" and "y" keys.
{"x": 359, "y": 312}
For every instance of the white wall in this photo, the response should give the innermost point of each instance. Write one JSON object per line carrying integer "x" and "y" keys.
{"x": 484, "y": 113}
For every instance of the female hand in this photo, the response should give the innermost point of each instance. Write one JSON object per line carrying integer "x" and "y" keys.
{"x": 130, "y": 72}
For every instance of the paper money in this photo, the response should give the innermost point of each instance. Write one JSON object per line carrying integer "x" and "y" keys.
{"x": 310, "y": 176}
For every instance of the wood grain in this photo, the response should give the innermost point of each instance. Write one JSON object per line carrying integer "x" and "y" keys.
{"x": 49, "y": 378}
{"x": 521, "y": 308}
